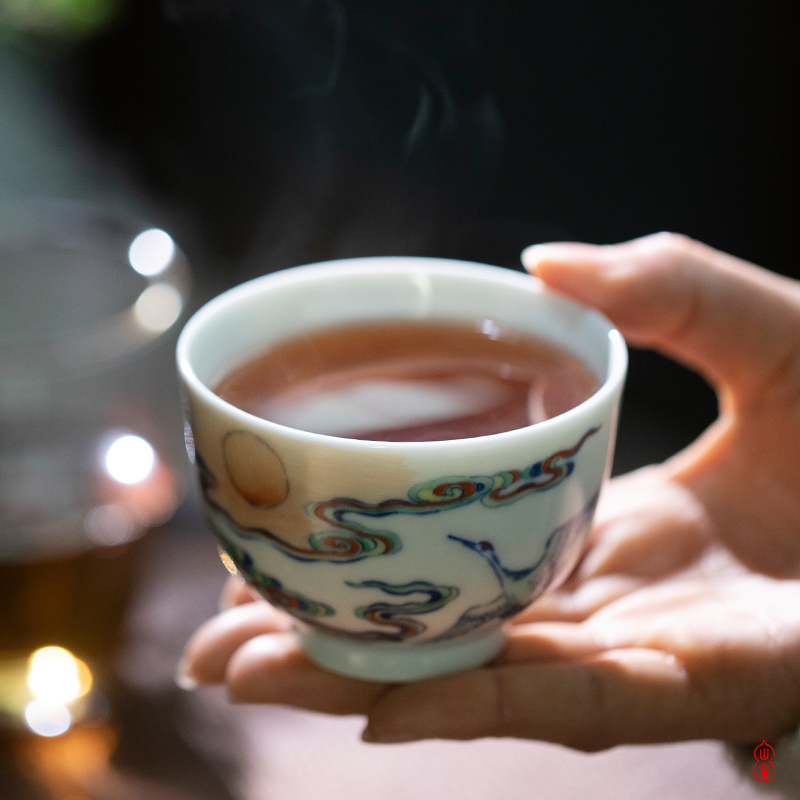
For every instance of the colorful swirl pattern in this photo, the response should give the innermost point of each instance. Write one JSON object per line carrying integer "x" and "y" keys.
{"x": 360, "y": 541}
{"x": 322, "y": 546}
{"x": 271, "y": 588}
{"x": 443, "y": 494}
{"x": 392, "y": 614}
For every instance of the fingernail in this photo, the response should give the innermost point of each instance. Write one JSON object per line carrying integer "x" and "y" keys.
{"x": 386, "y": 738}
{"x": 184, "y": 678}
{"x": 583, "y": 256}
{"x": 277, "y": 645}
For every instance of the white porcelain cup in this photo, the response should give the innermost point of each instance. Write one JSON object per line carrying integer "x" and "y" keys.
{"x": 398, "y": 560}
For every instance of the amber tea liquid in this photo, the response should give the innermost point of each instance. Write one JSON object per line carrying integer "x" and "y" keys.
{"x": 410, "y": 381}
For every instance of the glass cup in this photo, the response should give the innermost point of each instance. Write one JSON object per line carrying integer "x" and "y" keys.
{"x": 87, "y": 299}
{"x": 398, "y": 560}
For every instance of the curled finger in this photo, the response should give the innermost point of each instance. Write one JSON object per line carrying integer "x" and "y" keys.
{"x": 622, "y": 696}
{"x": 206, "y": 655}
{"x": 273, "y": 669}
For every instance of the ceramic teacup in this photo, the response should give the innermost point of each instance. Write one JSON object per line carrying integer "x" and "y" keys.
{"x": 398, "y": 560}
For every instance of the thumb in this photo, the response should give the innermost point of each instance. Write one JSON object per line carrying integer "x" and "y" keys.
{"x": 738, "y": 324}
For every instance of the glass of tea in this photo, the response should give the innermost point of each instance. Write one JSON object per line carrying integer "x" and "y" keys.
{"x": 402, "y": 453}
{"x": 89, "y": 298}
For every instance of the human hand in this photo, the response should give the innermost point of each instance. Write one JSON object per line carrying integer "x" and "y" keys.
{"x": 683, "y": 619}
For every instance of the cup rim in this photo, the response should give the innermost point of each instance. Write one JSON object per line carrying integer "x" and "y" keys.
{"x": 384, "y": 265}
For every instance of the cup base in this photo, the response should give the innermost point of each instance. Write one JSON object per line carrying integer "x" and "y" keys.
{"x": 386, "y": 661}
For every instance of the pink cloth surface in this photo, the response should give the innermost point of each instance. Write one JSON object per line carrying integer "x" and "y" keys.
{"x": 295, "y": 755}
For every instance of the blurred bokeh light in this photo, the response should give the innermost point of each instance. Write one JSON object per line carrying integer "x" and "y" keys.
{"x": 151, "y": 252}
{"x": 129, "y": 459}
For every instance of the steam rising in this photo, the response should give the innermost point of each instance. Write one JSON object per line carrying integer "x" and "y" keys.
{"x": 352, "y": 128}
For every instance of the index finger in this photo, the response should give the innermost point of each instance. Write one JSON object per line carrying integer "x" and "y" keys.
{"x": 733, "y": 321}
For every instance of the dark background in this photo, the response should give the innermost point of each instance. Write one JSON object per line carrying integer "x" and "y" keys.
{"x": 290, "y": 131}
{"x": 268, "y": 133}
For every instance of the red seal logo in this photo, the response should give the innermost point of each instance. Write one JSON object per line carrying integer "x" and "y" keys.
{"x": 764, "y": 768}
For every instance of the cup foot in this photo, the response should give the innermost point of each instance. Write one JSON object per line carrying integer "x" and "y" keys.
{"x": 387, "y": 661}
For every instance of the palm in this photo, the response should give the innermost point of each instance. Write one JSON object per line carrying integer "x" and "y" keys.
{"x": 690, "y": 562}
{"x": 663, "y": 579}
